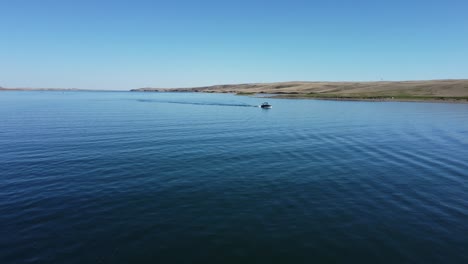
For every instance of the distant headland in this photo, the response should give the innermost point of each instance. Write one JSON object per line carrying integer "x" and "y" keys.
{"x": 424, "y": 90}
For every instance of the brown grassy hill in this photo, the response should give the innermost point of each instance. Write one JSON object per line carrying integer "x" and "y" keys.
{"x": 431, "y": 89}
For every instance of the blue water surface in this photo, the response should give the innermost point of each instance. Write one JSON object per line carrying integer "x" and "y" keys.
{"x": 127, "y": 177}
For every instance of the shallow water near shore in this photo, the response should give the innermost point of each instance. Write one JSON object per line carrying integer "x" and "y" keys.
{"x": 122, "y": 177}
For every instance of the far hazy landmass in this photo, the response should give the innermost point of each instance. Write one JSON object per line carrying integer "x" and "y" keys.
{"x": 451, "y": 90}
{"x": 53, "y": 89}
{"x": 41, "y": 89}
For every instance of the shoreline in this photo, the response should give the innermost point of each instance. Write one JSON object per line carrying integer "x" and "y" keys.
{"x": 55, "y": 90}
{"x": 439, "y": 91}
{"x": 461, "y": 100}
{"x": 292, "y": 96}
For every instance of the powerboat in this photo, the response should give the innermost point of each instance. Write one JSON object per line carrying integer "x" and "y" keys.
{"x": 266, "y": 105}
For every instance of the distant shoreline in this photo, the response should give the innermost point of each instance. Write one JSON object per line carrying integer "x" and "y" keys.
{"x": 414, "y": 100}
{"x": 437, "y": 91}
{"x": 445, "y": 91}
{"x": 2, "y": 89}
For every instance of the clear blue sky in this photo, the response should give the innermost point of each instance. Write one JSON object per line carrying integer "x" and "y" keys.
{"x": 130, "y": 44}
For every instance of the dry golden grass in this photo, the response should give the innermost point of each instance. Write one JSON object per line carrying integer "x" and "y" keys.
{"x": 431, "y": 89}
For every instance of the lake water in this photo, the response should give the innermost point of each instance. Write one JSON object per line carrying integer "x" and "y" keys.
{"x": 120, "y": 177}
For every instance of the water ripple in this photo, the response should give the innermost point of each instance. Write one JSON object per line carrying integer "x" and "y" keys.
{"x": 114, "y": 178}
